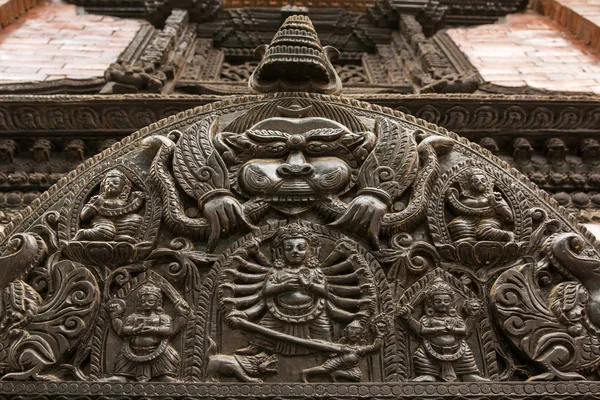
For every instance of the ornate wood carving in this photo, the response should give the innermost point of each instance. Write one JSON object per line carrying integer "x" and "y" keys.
{"x": 295, "y": 244}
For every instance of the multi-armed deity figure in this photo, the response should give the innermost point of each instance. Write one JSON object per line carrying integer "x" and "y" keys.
{"x": 444, "y": 354}
{"x": 147, "y": 353}
{"x": 294, "y": 292}
{"x": 293, "y": 303}
{"x": 481, "y": 212}
{"x": 113, "y": 213}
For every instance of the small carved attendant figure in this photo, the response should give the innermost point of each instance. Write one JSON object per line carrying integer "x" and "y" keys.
{"x": 444, "y": 354}
{"x": 146, "y": 353}
{"x": 346, "y": 365}
{"x": 113, "y": 212}
{"x": 568, "y": 302}
{"x": 481, "y": 211}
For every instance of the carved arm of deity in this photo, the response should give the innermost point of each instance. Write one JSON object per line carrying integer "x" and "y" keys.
{"x": 405, "y": 313}
{"x": 90, "y": 210}
{"x": 116, "y": 309}
{"x": 472, "y": 308}
{"x": 389, "y": 170}
{"x": 459, "y": 207}
{"x": 500, "y": 206}
{"x": 165, "y": 328}
{"x": 200, "y": 171}
{"x": 459, "y": 328}
{"x": 271, "y": 288}
{"x": 313, "y": 282}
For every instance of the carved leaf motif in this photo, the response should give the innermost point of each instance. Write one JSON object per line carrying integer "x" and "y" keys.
{"x": 197, "y": 166}
{"x": 391, "y": 166}
{"x": 527, "y": 320}
{"x": 64, "y": 317}
{"x": 267, "y": 135}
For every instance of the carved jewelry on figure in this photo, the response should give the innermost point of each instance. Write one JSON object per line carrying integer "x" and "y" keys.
{"x": 146, "y": 353}
{"x": 444, "y": 354}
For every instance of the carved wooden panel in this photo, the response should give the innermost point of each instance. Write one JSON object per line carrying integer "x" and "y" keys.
{"x": 293, "y": 244}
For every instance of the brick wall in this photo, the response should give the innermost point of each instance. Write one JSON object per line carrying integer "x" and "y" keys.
{"x": 580, "y": 17}
{"x": 530, "y": 49}
{"x": 52, "y": 41}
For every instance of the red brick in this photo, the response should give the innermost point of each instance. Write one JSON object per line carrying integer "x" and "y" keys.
{"x": 5, "y": 76}
{"x": 72, "y": 72}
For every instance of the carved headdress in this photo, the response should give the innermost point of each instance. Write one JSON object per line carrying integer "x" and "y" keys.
{"x": 465, "y": 182}
{"x": 295, "y": 231}
{"x": 149, "y": 288}
{"x": 125, "y": 182}
{"x": 439, "y": 287}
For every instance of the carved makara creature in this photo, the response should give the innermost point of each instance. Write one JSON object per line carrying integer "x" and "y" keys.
{"x": 558, "y": 328}
{"x": 36, "y": 331}
{"x": 113, "y": 213}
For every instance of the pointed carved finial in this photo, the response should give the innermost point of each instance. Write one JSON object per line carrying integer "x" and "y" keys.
{"x": 295, "y": 61}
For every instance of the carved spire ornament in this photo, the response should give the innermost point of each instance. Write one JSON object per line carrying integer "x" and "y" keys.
{"x": 295, "y": 61}
{"x": 292, "y": 245}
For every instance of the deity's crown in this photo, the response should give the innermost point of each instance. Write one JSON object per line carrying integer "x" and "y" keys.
{"x": 114, "y": 172}
{"x": 355, "y": 324}
{"x": 439, "y": 286}
{"x": 149, "y": 288}
{"x": 294, "y": 231}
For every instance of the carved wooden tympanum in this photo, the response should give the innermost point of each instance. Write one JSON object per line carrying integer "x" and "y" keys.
{"x": 297, "y": 245}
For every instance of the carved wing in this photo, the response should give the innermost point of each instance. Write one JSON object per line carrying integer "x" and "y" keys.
{"x": 392, "y": 165}
{"x": 197, "y": 165}
{"x": 68, "y": 309}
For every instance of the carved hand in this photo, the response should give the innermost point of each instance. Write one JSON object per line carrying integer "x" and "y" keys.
{"x": 345, "y": 247}
{"x": 237, "y": 315}
{"x": 405, "y": 313}
{"x": 116, "y": 308}
{"x": 137, "y": 329}
{"x": 224, "y": 215}
{"x": 364, "y": 214}
{"x": 182, "y": 308}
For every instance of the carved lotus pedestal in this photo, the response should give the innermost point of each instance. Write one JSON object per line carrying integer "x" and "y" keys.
{"x": 482, "y": 254}
{"x": 105, "y": 254}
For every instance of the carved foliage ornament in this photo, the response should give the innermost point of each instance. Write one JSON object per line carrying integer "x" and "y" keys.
{"x": 296, "y": 238}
